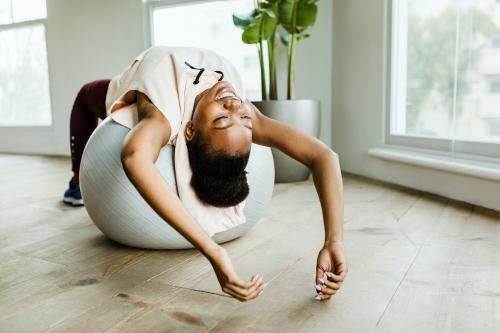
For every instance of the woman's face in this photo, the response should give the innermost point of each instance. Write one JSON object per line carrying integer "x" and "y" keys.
{"x": 222, "y": 118}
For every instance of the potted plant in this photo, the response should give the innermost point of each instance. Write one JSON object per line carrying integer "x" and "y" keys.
{"x": 285, "y": 21}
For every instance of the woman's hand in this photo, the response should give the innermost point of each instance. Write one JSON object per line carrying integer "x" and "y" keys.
{"x": 331, "y": 269}
{"x": 229, "y": 281}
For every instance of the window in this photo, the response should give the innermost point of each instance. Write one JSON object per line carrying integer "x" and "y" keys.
{"x": 24, "y": 88}
{"x": 209, "y": 25}
{"x": 445, "y": 86}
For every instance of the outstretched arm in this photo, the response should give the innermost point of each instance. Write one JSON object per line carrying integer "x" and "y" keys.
{"x": 325, "y": 169}
{"x": 140, "y": 151}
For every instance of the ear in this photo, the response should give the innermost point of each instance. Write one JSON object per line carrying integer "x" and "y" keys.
{"x": 189, "y": 131}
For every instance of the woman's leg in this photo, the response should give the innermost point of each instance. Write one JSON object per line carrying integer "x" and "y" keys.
{"x": 89, "y": 106}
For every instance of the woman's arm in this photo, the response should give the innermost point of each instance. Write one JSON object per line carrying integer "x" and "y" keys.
{"x": 140, "y": 151}
{"x": 327, "y": 177}
{"x": 318, "y": 157}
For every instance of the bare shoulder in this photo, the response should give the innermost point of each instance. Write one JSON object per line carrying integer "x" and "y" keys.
{"x": 293, "y": 142}
{"x": 147, "y": 109}
{"x": 265, "y": 130}
{"x": 151, "y": 117}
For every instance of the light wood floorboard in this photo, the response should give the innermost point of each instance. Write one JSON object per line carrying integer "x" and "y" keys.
{"x": 417, "y": 263}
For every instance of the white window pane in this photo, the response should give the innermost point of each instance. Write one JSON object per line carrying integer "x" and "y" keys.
{"x": 24, "y": 88}
{"x": 447, "y": 69}
{"x": 430, "y": 67}
{"x": 478, "y": 94}
{"x": 210, "y": 25}
{"x": 25, "y": 10}
{"x": 5, "y": 12}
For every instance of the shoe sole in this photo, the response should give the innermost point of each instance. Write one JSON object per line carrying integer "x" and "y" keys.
{"x": 73, "y": 201}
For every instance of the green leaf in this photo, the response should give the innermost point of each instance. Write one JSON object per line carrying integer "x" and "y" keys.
{"x": 268, "y": 26}
{"x": 261, "y": 28}
{"x": 251, "y": 34}
{"x": 285, "y": 9}
{"x": 306, "y": 14}
{"x": 269, "y": 12}
{"x": 243, "y": 21}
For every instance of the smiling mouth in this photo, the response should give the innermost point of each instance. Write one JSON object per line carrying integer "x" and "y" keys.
{"x": 226, "y": 92}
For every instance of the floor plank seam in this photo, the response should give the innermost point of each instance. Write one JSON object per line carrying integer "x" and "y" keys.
{"x": 408, "y": 268}
{"x": 398, "y": 219}
{"x": 173, "y": 267}
{"x": 201, "y": 291}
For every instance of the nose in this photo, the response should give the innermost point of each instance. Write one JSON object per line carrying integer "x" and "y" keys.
{"x": 232, "y": 104}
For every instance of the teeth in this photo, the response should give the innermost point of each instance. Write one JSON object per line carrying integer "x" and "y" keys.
{"x": 226, "y": 94}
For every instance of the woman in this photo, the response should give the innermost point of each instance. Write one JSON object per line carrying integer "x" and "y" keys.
{"x": 218, "y": 134}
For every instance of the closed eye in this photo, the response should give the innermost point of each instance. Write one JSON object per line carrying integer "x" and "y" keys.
{"x": 220, "y": 118}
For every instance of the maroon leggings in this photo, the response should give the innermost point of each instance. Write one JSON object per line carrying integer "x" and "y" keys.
{"x": 89, "y": 106}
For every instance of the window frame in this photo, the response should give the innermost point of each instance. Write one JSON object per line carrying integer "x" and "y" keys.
{"x": 475, "y": 150}
{"x": 28, "y": 23}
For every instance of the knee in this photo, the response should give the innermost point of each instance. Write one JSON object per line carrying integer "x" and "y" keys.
{"x": 83, "y": 90}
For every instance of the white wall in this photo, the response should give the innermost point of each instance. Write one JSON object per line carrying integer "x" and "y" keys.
{"x": 86, "y": 40}
{"x": 359, "y": 28}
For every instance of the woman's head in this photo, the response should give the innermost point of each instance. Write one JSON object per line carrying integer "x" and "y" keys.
{"x": 219, "y": 138}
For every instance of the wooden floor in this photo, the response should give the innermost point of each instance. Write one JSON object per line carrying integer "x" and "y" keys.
{"x": 417, "y": 263}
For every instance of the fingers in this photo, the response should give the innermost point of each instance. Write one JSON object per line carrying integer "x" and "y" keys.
{"x": 334, "y": 277}
{"x": 319, "y": 274}
{"x": 245, "y": 291}
{"x": 322, "y": 297}
{"x": 242, "y": 284}
{"x": 341, "y": 273}
{"x": 330, "y": 284}
{"x": 325, "y": 289}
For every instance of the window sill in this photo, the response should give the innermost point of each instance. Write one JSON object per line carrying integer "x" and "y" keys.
{"x": 486, "y": 169}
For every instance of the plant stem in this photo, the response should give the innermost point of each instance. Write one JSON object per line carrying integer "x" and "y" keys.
{"x": 262, "y": 72}
{"x": 271, "y": 51}
{"x": 263, "y": 86}
{"x": 291, "y": 55}
{"x": 291, "y": 68}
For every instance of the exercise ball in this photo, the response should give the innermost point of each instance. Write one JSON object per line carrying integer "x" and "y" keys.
{"x": 120, "y": 212}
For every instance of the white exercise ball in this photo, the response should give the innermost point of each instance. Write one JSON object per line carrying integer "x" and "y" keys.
{"x": 121, "y": 213}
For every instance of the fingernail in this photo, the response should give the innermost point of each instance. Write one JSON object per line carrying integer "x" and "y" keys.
{"x": 259, "y": 280}
{"x": 322, "y": 281}
{"x": 329, "y": 274}
{"x": 318, "y": 287}
{"x": 265, "y": 284}
{"x": 317, "y": 298}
